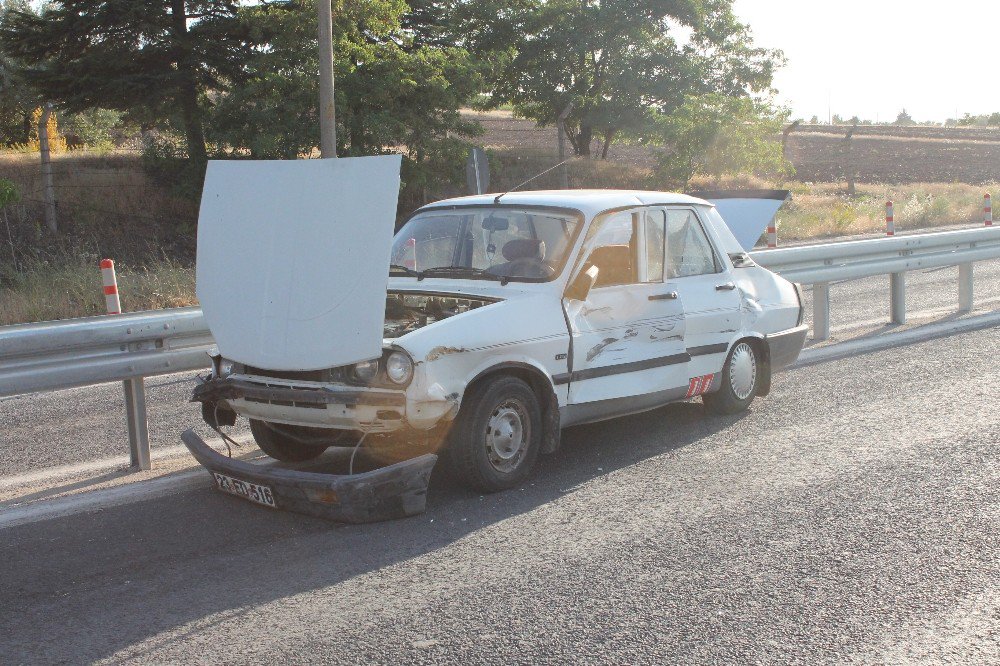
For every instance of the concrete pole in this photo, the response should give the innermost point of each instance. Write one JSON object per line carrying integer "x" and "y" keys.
{"x": 48, "y": 190}
{"x": 561, "y": 122}
{"x": 327, "y": 117}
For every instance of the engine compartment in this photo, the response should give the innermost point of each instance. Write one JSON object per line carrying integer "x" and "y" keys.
{"x": 407, "y": 311}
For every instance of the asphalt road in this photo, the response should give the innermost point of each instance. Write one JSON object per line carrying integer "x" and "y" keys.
{"x": 81, "y": 425}
{"x": 853, "y": 516}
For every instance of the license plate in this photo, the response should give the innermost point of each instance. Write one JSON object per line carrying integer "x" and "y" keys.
{"x": 245, "y": 489}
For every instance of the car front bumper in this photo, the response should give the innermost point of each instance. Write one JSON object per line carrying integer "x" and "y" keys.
{"x": 395, "y": 491}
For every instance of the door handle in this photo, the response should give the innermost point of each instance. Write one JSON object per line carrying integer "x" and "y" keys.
{"x": 669, "y": 296}
{"x": 727, "y": 286}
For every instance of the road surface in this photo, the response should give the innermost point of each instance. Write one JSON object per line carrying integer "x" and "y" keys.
{"x": 853, "y": 516}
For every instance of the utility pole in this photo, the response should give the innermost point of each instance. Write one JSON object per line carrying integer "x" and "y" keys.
{"x": 563, "y": 171}
{"x": 327, "y": 118}
{"x": 48, "y": 191}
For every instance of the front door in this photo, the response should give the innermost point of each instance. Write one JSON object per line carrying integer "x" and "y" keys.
{"x": 628, "y": 336}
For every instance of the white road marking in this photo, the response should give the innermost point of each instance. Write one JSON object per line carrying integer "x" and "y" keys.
{"x": 102, "y": 499}
{"x": 104, "y": 464}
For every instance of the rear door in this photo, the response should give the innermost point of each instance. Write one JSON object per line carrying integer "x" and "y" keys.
{"x": 698, "y": 273}
{"x": 628, "y": 336}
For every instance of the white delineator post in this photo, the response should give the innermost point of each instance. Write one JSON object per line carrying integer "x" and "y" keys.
{"x": 135, "y": 389}
{"x": 410, "y": 257}
{"x": 110, "y": 281}
{"x": 988, "y": 210}
{"x": 772, "y": 235}
{"x": 890, "y": 222}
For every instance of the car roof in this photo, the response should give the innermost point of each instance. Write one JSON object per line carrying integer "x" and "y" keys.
{"x": 588, "y": 202}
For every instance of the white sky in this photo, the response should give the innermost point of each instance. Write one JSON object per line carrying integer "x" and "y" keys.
{"x": 874, "y": 57}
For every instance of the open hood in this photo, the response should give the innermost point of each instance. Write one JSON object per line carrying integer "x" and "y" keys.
{"x": 746, "y": 212}
{"x": 293, "y": 259}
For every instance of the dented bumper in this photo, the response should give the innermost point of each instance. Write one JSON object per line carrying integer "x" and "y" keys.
{"x": 306, "y": 403}
{"x": 395, "y": 491}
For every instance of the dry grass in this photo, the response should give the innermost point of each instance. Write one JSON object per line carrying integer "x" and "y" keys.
{"x": 44, "y": 291}
{"x": 823, "y": 210}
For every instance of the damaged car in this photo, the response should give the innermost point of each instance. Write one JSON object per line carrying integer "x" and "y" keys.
{"x": 505, "y": 319}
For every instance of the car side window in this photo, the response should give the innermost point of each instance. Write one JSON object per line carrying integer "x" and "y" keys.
{"x": 689, "y": 251}
{"x": 613, "y": 251}
{"x": 654, "y": 232}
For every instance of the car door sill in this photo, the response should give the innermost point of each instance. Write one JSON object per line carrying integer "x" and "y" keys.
{"x": 601, "y": 410}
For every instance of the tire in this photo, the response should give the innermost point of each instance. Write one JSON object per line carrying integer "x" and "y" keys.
{"x": 283, "y": 446}
{"x": 494, "y": 442}
{"x": 740, "y": 381}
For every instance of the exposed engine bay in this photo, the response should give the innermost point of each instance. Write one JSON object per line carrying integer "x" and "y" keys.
{"x": 408, "y": 311}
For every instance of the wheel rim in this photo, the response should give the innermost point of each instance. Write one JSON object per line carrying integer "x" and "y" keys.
{"x": 507, "y": 434}
{"x": 743, "y": 371}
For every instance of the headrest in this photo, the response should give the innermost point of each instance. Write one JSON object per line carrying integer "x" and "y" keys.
{"x": 524, "y": 248}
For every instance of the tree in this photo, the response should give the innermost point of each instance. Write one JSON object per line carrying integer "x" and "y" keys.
{"x": 391, "y": 94}
{"x": 17, "y": 98}
{"x": 620, "y": 62}
{"x": 904, "y": 119}
{"x": 151, "y": 55}
{"x": 717, "y": 135}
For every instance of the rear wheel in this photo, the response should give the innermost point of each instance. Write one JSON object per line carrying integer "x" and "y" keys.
{"x": 285, "y": 443}
{"x": 495, "y": 440}
{"x": 740, "y": 381}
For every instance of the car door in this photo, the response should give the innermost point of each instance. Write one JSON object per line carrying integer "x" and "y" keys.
{"x": 628, "y": 350}
{"x": 711, "y": 300}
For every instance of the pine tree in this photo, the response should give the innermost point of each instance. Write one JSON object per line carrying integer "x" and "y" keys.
{"x": 156, "y": 55}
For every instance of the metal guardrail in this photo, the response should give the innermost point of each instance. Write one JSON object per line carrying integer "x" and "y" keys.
{"x": 48, "y": 356}
{"x": 819, "y": 265}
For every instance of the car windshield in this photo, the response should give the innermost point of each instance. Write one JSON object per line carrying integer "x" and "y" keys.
{"x": 502, "y": 243}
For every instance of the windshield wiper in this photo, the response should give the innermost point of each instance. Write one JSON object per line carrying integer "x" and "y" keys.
{"x": 468, "y": 270}
{"x": 406, "y": 269}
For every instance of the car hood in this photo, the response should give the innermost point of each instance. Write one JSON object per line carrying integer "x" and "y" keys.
{"x": 746, "y": 212}
{"x": 293, "y": 259}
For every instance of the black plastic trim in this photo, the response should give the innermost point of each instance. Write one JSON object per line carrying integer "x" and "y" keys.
{"x": 778, "y": 195}
{"x": 633, "y": 366}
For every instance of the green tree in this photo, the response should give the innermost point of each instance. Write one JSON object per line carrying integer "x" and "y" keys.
{"x": 904, "y": 119}
{"x": 717, "y": 135}
{"x": 390, "y": 93}
{"x": 148, "y": 55}
{"x": 620, "y": 62}
{"x": 17, "y": 98}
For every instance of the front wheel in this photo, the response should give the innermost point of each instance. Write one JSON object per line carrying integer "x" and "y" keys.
{"x": 740, "y": 381}
{"x": 283, "y": 443}
{"x": 495, "y": 440}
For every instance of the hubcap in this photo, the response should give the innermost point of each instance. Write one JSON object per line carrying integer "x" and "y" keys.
{"x": 743, "y": 371}
{"x": 507, "y": 433}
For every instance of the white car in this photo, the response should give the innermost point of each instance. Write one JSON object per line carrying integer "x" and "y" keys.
{"x": 508, "y": 318}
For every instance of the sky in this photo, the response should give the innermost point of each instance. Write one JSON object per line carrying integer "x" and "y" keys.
{"x": 873, "y": 58}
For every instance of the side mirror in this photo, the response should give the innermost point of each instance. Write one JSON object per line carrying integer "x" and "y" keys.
{"x": 584, "y": 282}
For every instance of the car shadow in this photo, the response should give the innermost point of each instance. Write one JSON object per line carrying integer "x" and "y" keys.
{"x": 98, "y": 584}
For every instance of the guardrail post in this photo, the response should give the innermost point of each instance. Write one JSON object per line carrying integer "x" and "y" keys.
{"x": 138, "y": 423}
{"x": 821, "y": 311}
{"x": 897, "y": 298}
{"x": 965, "y": 287}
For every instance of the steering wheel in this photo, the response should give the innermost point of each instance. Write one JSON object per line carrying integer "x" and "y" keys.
{"x": 528, "y": 267}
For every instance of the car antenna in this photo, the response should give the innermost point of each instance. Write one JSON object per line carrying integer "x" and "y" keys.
{"x": 496, "y": 200}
